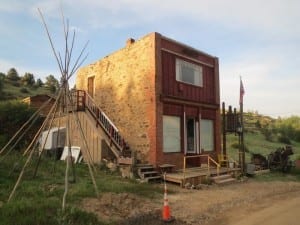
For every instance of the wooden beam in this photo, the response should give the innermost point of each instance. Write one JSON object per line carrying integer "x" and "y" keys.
{"x": 165, "y": 98}
{"x": 186, "y": 57}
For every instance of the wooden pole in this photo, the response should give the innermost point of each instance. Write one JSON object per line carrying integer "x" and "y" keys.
{"x": 224, "y": 128}
{"x": 242, "y": 139}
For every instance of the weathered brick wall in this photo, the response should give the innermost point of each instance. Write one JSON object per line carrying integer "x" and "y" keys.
{"x": 125, "y": 91}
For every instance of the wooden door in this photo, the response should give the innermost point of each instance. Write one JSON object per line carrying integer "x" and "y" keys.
{"x": 91, "y": 86}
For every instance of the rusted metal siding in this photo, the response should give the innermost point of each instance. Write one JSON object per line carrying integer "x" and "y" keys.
{"x": 189, "y": 92}
{"x": 186, "y": 100}
{"x": 187, "y": 51}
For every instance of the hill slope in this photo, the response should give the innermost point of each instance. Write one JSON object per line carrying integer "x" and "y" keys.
{"x": 16, "y": 91}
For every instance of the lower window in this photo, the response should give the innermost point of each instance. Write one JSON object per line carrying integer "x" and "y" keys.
{"x": 207, "y": 135}
{"x": 171, "y": 134}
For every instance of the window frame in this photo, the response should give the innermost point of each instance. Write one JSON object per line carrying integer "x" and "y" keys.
{"x": 203, "y": 139}
{"x": 179, "y": 63}
{"x": 178, "y": 135}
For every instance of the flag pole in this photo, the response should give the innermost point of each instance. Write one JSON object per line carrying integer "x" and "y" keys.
{"x": 242, "y": 146}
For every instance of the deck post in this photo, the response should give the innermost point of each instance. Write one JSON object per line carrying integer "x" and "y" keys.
{"x": 184, "y": 166}
{"x": 208, "y": 165}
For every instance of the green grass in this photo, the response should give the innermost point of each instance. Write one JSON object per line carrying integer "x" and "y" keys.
{"x": 256, "y": 143}
{"x": 294, "y": 175}
{"x": 39, "y": 200}
{"x": 15, "y": 92}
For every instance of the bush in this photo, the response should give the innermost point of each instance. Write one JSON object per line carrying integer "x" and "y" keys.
{"x": 3, "y": 140}
{"x": 267, "y": 133}
{"x": 14, "y": 83}
{"x": 24, "y": 90}
{"x": 235, "y": 145}
{"x": 13, "y": 114}
{"x": 284, "y": 139}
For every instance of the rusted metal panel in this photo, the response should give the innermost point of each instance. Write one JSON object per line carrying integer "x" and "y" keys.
{"x": 182, "y": 49}
{"x": 173, "y": 109}
{"x": 189, "y": 92}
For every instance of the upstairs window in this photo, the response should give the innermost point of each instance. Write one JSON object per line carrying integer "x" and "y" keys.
{"x": 189, "y": 73}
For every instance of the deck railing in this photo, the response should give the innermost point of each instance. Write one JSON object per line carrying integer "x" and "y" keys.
{"x": 210, "y": 161}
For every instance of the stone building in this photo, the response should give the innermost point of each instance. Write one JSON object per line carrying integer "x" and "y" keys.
{"x": 161, "y": 95}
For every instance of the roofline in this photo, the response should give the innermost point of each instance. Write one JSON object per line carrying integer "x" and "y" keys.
{"x": 186, "y": 46}
{"x": 48, "y": 95}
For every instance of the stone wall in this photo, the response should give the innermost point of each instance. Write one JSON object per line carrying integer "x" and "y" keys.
{"x": 124, "y": 87}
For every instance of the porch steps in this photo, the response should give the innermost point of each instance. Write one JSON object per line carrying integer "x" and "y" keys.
{"x": 223, "y": 179}
{"x": 148, "y": 173}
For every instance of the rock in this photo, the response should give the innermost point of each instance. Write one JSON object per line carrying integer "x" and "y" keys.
{"x": 126, "y": 172}
{"x": 111, "y": 166}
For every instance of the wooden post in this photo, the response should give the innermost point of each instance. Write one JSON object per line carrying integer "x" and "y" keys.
{"x": 184, "y": 165}
{"x": 242, "y": 146}
{"x": 224, "y": 128}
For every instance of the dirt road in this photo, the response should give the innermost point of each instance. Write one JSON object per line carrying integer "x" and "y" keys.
{"x": 283, "y": 212}
{"x": 274, "y": 212}
{"x": 246, "y": 203}
{"x": 241, "y": 204}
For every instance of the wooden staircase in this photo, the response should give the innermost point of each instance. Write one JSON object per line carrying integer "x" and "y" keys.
{"x": 223, "y": 179}
{"x": 84, "y": 102}
{"x": 147, "y": 173}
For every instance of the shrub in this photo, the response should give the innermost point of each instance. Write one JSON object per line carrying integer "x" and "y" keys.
{"x": 24, "y": 90}
{"x": 284, "y": 139}
{"x": 235, "y": 145}
{"x": 13, "y": 114}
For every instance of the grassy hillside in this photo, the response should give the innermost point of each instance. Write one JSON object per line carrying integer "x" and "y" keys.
{"x": 256, "y": 143}
{"x": 11, "y": 91}
{"x": 255, "y": 137}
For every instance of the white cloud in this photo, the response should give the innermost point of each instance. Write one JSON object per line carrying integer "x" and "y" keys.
{"x": 271, "y": 85}
{"x": 270, "y": 16}
{"x": 265, "y": 53}
{"x": 275, "y": 16}
{"x": 11, "y": 6}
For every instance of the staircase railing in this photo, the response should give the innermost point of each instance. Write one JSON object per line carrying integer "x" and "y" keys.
{"x": 210, "y": 161}
{"x": 84, "y": 100}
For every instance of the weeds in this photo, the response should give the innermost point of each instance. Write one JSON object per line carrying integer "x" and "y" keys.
{"x": 38, "y": 200}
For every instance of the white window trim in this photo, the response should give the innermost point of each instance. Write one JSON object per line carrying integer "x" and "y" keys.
{"x": 197, "y": 68}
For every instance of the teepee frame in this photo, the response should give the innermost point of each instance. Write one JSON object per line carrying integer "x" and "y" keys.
{"x": 63, "y": 103}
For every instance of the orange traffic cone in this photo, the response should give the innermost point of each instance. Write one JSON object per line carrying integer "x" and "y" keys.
{"x": 166, "y": 214}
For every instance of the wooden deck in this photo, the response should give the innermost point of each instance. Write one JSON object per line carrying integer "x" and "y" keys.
{"x": 197, "y": 175}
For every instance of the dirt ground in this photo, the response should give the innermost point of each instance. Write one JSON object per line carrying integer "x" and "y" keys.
{"x": 245, "y": 203}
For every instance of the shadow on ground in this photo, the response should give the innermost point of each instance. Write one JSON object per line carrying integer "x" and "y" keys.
{"x": 151, "y": 219}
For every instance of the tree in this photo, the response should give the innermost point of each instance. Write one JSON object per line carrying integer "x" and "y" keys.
{"x": 1, "y": 85}
{"x": 2, "y": 76}
{"x": 28, "y": 79}
{"x": 39, "y": 82}
{"x": 52, "y": 83}
{"x": 13, "y": 114}
{"x": 13, "y": 75}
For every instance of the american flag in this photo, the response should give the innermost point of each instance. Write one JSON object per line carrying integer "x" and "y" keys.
{"x": 242, "y": 91}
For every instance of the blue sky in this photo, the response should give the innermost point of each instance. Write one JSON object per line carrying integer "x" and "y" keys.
{"x": 258, "y": 40}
